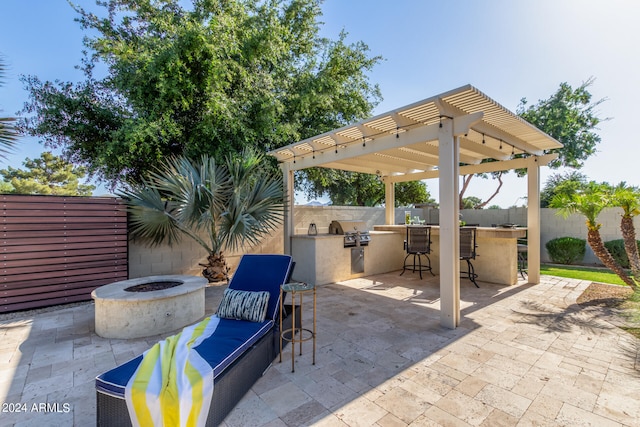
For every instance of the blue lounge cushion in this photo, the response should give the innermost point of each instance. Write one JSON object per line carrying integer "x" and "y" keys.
{"x": 228, "y": 342}
{"x": 263, "y": 272}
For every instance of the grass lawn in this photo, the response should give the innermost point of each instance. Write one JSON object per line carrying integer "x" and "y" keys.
{"x": 598, "y": 275}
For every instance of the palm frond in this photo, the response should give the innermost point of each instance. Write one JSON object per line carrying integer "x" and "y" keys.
{"x": 149, "y": 218}
{"x": 8, "y": 132}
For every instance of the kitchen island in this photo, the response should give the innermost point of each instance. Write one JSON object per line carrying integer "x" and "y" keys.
{"x": 323, "y": 259}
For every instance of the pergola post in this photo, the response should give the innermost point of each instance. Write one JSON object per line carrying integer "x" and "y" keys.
{"x": 389, "y": 201}
{"x": 289, "y": 222}
{"x": 533, "y": 220}
{"x": 448, "y": 153}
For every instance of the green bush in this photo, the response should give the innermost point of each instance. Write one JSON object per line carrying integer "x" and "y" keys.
{"x": 566, "y": 250}
{"x": 617, "y": 251}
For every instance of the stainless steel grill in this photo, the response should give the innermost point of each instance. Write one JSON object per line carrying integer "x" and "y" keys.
{"x": 355, "y": 232}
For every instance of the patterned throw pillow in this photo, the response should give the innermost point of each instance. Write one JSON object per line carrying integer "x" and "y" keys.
{"x": 244, "y": 305}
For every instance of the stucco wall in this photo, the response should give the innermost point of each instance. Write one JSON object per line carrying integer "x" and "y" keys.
{"x": 184, "y": 258}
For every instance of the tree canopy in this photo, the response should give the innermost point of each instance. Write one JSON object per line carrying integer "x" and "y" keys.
{"x": 357, "y": 189}
{"x": 211, "y": 78}
{"x": 47, "y": 174}
{"x": 570, "y": 116}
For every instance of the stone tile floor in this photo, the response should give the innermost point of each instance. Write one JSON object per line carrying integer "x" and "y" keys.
{"x": 523, "y": 356}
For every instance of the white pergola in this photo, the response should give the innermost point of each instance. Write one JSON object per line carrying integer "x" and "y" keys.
{"x": 458, "y": 132}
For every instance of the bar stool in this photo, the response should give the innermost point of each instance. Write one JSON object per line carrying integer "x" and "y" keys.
{"x": 418, "y": 244}
{"x": 468, "y": 252}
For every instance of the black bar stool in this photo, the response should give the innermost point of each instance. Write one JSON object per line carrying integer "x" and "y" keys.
{"x": 418, "y": 244}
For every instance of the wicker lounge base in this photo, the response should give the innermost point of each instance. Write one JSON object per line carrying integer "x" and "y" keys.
{"x": 229, "y": 387}
{"x": 238, "y": 351}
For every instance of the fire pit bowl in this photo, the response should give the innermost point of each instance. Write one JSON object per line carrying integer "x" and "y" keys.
{"x": 148, "y": 306}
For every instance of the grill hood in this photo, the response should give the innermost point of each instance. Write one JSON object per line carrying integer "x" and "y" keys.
{"x": 347, "y": 227}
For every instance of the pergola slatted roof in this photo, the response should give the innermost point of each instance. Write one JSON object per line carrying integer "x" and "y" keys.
{"x": 500, "y": 135}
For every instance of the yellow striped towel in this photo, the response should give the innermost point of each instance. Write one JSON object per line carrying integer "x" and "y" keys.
{"x": 173, "y": 384}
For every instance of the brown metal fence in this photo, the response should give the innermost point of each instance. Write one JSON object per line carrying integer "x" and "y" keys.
{"x": 57, "y": 249}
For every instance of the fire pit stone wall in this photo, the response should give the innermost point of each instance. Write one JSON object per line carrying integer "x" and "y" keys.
{"x": 124, "y": 314}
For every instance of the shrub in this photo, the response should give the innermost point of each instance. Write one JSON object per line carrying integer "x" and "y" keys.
{"x": 617, "y": 251}
{"x": 566, "y": 250}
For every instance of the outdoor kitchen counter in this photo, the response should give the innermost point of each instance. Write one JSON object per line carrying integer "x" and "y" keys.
{"x": 497, "y": 252}
{"x": 323, "y": 259}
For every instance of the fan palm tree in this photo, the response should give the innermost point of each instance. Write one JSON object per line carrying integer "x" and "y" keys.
{"x": 220, "y": 206}
{"x": 8, "y": 133}
{"x": 628, "y": 198}
{"x": 589, "y": 201}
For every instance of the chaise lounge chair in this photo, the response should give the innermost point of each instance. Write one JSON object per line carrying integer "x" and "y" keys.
{"x": 239, "y": 351}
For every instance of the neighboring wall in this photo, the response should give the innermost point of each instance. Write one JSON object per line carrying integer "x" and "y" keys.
{"x": 184, "y": 258}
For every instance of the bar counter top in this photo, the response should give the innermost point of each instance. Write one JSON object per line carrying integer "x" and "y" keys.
{"x": 483, "y": 232}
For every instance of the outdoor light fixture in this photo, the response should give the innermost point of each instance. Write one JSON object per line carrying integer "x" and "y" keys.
{"x": 483, "y": 138}
{"x": 501, "y": 144}
{"x": 364, "y": 141}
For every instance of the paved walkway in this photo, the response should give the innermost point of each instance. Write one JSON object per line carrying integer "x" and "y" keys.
{"x": 523, "y": 356}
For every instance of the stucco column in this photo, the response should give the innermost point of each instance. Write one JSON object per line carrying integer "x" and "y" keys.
{"x": 389, "y": 201}
{"x": 533, "y": 220}
{"x": 448, "y": 153}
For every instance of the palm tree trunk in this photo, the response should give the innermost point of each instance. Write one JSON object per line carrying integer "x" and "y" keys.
{"x": 216, "y": 268}
{"x": 595, "y": 242}
{"x": 630, "y": 244}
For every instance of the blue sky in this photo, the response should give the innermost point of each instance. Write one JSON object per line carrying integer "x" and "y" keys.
{"x": 507, "y": 49}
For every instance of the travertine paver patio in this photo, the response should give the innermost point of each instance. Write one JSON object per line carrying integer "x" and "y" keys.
{"x": 523, "y": 356}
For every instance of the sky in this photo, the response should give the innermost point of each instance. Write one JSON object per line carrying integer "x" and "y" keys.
{"x": 507, "y": 49}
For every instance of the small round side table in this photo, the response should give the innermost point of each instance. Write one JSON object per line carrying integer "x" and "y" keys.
{"x": 304, "y": 334}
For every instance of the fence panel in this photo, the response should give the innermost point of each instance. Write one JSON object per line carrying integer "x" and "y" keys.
{"x": 57, "y": 249}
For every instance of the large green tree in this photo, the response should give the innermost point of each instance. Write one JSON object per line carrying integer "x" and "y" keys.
{"x": 570, "y": 116}
{"x": 8, "y": 133}
{"x": 47, "y": 174}
{"x": 162, "y": 79}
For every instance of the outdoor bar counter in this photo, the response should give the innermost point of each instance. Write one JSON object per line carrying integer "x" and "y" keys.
{"x": 323, "y": 259}
{"x": 496, "y": 255}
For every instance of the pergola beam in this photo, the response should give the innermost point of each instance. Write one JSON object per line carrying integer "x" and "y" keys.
{"x": 519, "y": 163}
{"x": 356, "y": 149}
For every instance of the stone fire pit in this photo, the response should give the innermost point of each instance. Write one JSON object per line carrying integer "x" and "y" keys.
{"x": 143, "y": 307}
